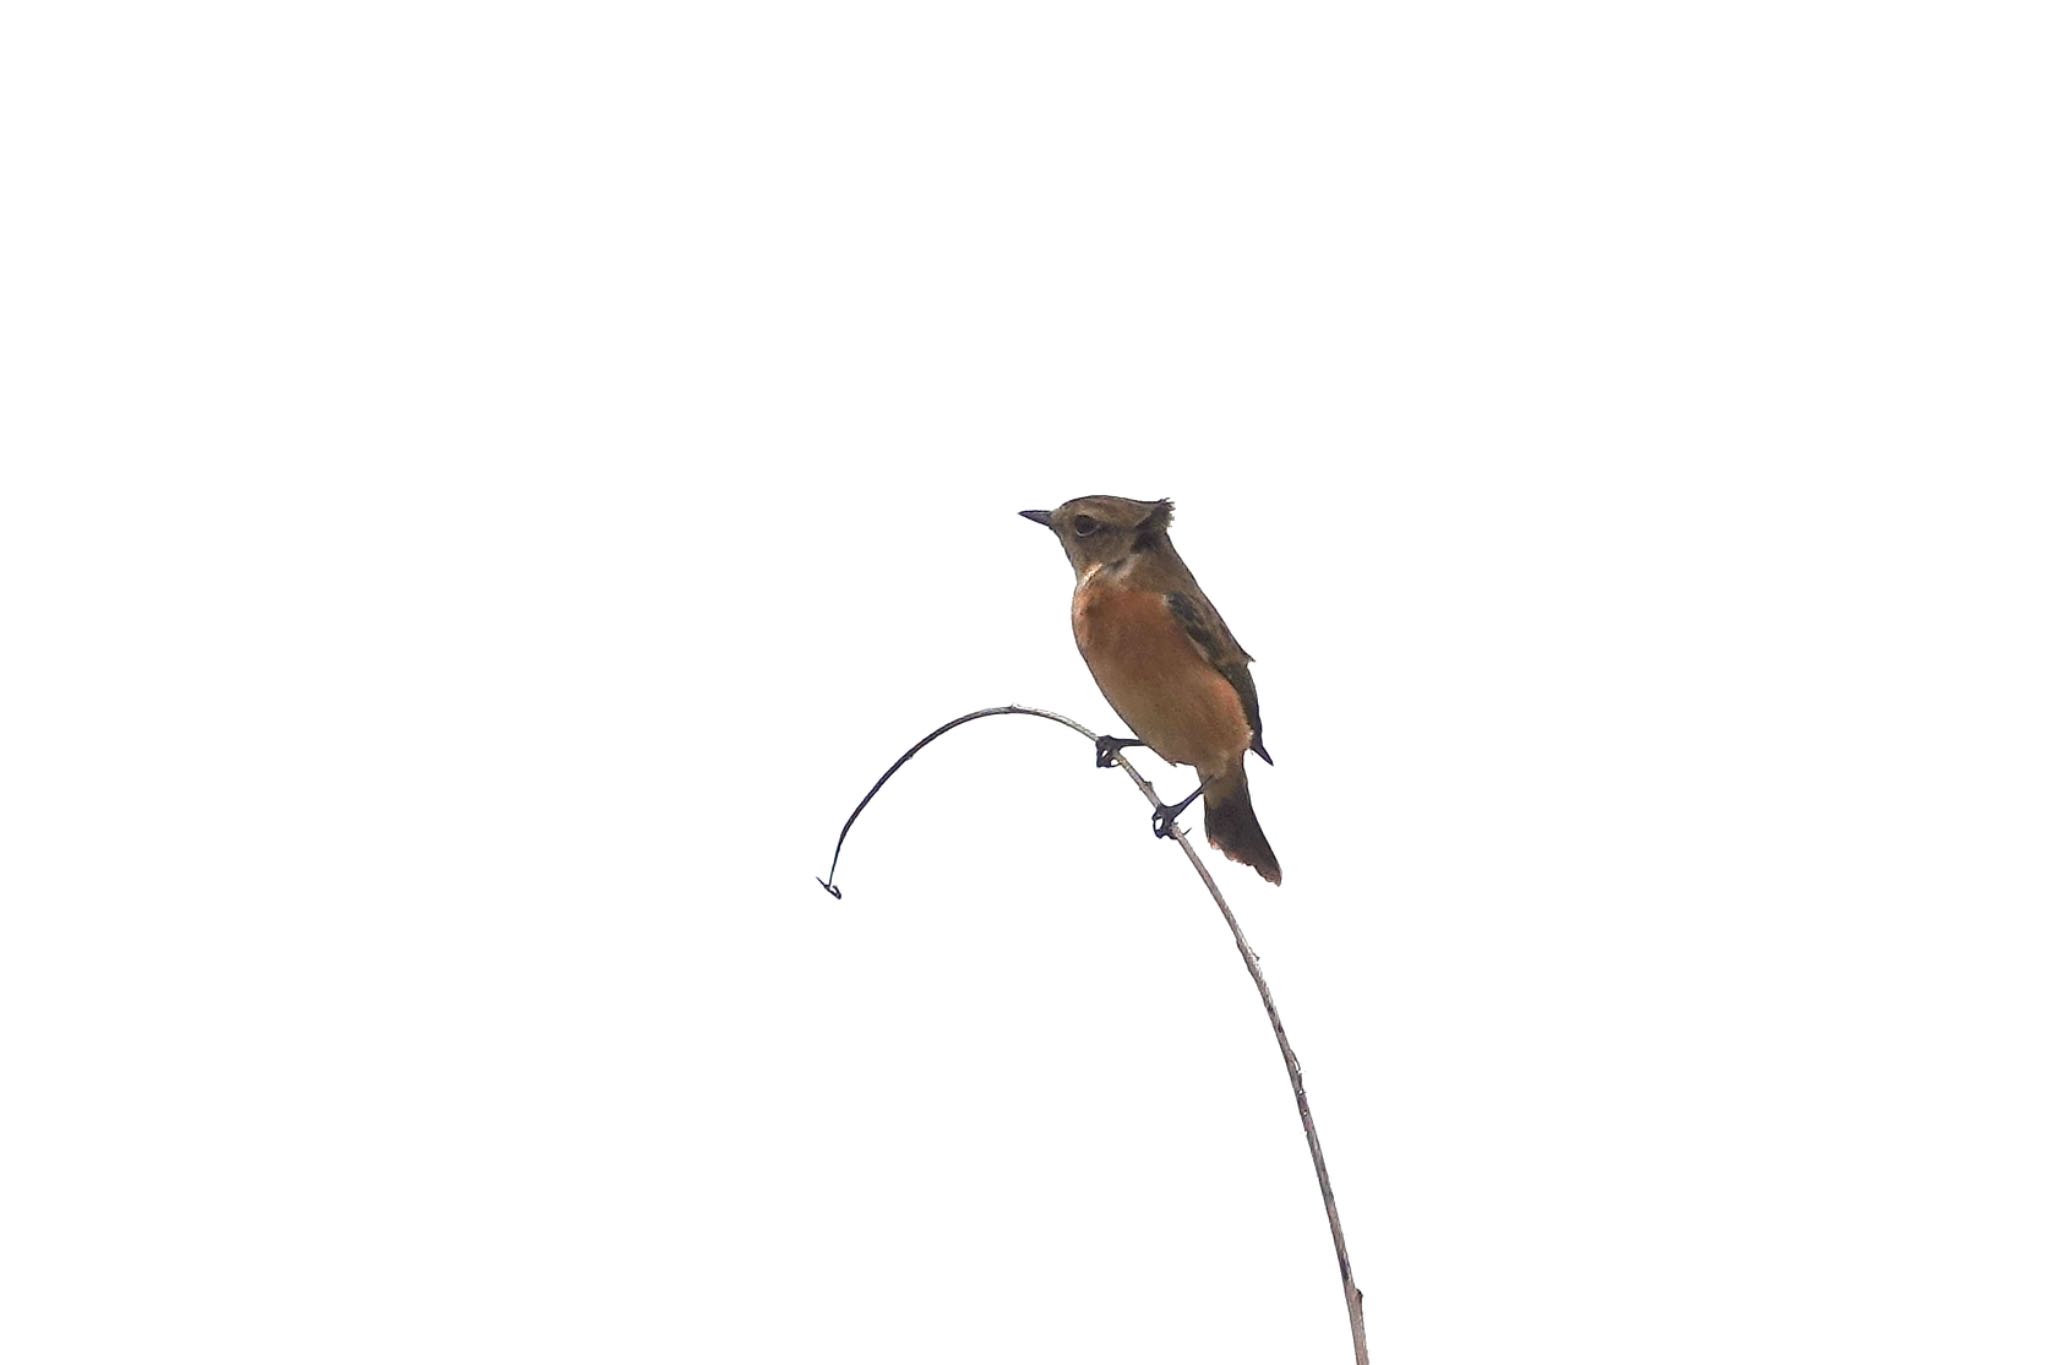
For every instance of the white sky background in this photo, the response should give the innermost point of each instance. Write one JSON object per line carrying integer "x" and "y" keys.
{"x": 486, "y": 491}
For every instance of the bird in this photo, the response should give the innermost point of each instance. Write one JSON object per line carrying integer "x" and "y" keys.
{"x": 1166, "y": 663}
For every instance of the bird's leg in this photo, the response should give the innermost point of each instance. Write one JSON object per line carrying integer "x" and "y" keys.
{"x": 1106, "y": 747}
{"x": 1164, "y": 816}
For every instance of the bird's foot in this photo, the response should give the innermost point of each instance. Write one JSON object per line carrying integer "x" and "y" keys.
{"x": 1106, "y": 747}
{"x": 1164, "y": 816}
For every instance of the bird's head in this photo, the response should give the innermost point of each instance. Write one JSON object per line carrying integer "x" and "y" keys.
{"x": 1102, "y": 532}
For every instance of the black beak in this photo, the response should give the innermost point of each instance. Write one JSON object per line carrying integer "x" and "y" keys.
{"x": 1042, "y": 518}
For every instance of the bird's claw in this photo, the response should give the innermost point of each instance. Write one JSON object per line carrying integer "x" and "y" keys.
{"x": 1163, "y": 816}
{"x": 1107, "y": 747}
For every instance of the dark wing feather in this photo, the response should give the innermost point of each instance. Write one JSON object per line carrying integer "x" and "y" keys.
{"x": 1205, "y": 627}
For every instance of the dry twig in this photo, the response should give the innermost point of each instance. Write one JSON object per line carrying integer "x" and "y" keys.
{"x": 1354, "y": 1305}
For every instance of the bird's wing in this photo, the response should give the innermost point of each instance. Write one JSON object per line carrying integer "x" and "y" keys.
{"x": 1205, "y": 627}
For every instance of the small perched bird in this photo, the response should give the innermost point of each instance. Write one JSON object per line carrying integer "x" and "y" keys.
{"x": 1167, "y": 663}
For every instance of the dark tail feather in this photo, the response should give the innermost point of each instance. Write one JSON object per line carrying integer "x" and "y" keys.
{"x": 1232, "y": 826}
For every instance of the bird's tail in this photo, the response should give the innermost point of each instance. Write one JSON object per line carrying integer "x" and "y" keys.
{"x": 1232, "y": 825}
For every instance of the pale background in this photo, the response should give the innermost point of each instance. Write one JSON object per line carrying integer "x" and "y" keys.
{"x": 487, "y": 488}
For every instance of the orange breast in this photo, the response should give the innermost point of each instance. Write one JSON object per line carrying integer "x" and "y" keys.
{"x": 1151, "y": 672}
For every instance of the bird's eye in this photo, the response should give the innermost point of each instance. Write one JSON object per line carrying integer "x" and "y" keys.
{"x": 1084, "y": 525}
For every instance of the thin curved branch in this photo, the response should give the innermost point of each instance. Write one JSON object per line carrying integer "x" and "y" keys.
{"x": 827, "y": 882}
{"x": 1354, "y": 1304}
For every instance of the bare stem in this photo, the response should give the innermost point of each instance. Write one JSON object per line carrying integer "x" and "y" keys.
{"x": 1354, "y": 1305}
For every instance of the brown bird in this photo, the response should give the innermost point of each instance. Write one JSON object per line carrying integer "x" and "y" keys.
{"x": 1166, "y": 662}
